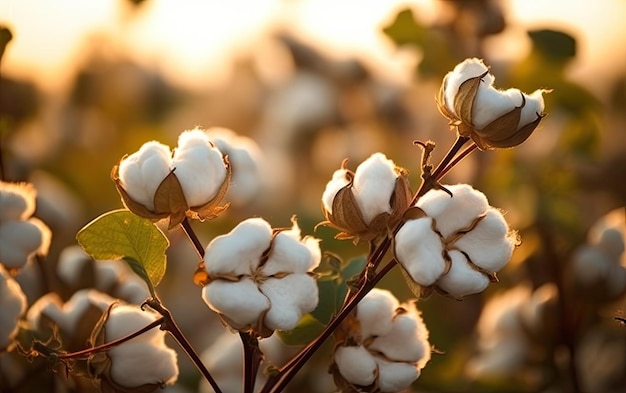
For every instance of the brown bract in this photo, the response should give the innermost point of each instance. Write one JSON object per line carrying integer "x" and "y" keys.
{"x": 500, "y": 133}
{"x": 169, "y": 200}
{"x": 348, "y": 219}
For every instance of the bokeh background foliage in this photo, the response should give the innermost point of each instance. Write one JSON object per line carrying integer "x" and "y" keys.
{"x": 321, "y": 109}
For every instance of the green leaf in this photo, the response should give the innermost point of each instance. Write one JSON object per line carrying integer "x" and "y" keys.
{"x": 555, "y": 45}
{"x": 333, "y": 287}
{"x": 120, "y": 234}
{"x": 306, "y": 331}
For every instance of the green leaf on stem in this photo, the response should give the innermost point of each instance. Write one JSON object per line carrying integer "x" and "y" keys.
{"x": 120, "y": 234}
{"x": 306, "y": 331}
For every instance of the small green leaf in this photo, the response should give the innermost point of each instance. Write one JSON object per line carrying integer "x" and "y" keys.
{"x": 120, "y": 234}
{"x": 306, "y": 331}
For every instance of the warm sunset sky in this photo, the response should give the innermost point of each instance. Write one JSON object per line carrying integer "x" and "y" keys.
{"x": 185, "y": 38}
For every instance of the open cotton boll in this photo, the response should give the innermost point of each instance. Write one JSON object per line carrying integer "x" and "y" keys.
{"x": 503, "y": 360}
{"x": 240, "y": 302}
{"x": 489, "y": 244}
{"x": 468, "y": 69}
{"x": 290, "y": 254}
{"x": 239, "y": 252}
{"x": 290, "y": 297}
{"x": 125, "y": 319}
{"x": 407, "y": 341}
{"x": 17, "y": 201}
{"x": 142, "y": 172}
{"x": 337, "y": 182}
{"x": 375, "y": 312}
{"x": 374, "y": 182}
{"x": 12, "y": 304}
{"x": 356, "y": 365}
{"x": 454, "y": 213}
{"x": 18, "y": 241}
{"x": 67, "y": 314}
{"x": 420, "y": 251}
{"x": 199, "y": 167}
{"x": 245, "y": 157}
{"x": 491, "y": 103}
{"x": 135, "y": 364}
{"x": 534, "y": 106}
{"x": 395, "y": 376}
{"x": 462, "y": 279}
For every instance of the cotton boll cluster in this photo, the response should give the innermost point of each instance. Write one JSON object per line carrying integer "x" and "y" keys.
{"x": 13, "y": 306}
{"x": 156, "y": 183}
{"x": 492, "y": 118}
{"x": 385, "y": 345}
{"x": 599, "y": 266}
{"x": 458, "y": 244}
{"x": 261, "y": 279}
{"x": 21, "y": 236}
{"x": 364, "y": 204}
{"x": 78, "y": 271}
{"x": 144, "y": 362}
{"x": 515, "y": 328}
{"x": 245, "y": 159}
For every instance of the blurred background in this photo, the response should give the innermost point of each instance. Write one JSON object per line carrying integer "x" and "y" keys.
{"x": 313, "y": 82}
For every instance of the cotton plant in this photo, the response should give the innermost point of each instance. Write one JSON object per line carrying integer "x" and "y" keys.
{"x": 21, "y": 235}
{"x": 266, "y": 281}
{"x": 142, "y": 363}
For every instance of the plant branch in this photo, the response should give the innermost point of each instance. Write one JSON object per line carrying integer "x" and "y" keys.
{"x": 252, "y": 360}
{"x": 288, "y": 371}
{"x": 106, "y": 346}
{"x": 186, "y": 225}
{"x": 170, "y": 326}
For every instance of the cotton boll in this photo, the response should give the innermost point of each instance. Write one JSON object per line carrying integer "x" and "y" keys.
{"x": 134, "y": 364}
{"x": 71, "y": 261}
{"x": 501, "y": 314}
{"x": 199, "y": 167}
{"x": 374, "y": 182}
{"x": 240, "y": 302}
{"x": 239, "y": 252}
{"x": 337, "y": 182}
{"x": 407, "y": 341}
{"x": 290, "y": 255}
{"x": 491, "y": 103}
{"x": 18, "y": 241}
{"x": 454, "y": 213}
{"x": 17, "y": 201}
{"x": 534, "y": 107}
{"x": 375, "y": 312}
{"x": 503, "y": 360}
{"x": 142, "y": 172}
{"x": 395, "y": 376}
{"x": 244, "y": 156}
{"x": 126, "y": 319}
{"x": 356, "y": 365}
{"x": 133, "y": 291}
{"x": 462, "y": 280}
{"x": 420, "y": 251}
{"x": 13, "y": 305}
{"x": 67, "y": 314}
{"x": 468, "y": 69}
{"x": 290, "y": 297}
{"x": 488, "y": 245}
